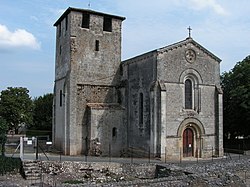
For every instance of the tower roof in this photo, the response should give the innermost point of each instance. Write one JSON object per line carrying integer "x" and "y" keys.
{"x": 85, "y": 11}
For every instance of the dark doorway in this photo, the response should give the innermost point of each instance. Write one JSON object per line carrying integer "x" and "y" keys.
{"x": 188, "y": 143}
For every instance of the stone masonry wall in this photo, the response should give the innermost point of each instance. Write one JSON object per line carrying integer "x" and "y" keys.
{"x": 140, "y": 73}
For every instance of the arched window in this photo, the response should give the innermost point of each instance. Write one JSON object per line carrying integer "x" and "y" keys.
{"x": 188, "y": 94}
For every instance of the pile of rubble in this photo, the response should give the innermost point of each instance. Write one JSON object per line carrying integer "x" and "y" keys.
{"x": 217, "y": 173}
{"x": 69, "y": 174}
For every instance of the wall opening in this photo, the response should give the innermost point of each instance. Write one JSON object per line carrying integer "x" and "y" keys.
{"x": 61, "y": 97}
{"x": 60, "y": 50}
{"x": 66, "y": 23}
{"x": 97, "y": 45}
{"x": 188, "y": 142}
{"x": 188, "y": 94}
{"x": 141, "y": 108}
{"x": 114, "y": 133}
{"x": 107, "y": 24}
{"x": 85, "y": 20}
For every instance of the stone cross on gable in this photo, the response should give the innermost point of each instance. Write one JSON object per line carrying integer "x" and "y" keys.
{"x": 189, "y": 31}
{"x": 89, "y": 4}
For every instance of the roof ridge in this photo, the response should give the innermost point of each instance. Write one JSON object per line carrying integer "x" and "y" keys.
{"x": 184, "y": 42}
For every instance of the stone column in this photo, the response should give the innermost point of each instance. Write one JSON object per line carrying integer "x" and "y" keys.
{"x": 163, "y": 122}
{"x": 220, "y": 127}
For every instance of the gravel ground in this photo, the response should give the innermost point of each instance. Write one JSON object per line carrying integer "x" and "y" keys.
{"x": 223, "y": 172}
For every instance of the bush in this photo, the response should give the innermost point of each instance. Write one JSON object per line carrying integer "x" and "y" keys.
{"x": 9, "y": 165}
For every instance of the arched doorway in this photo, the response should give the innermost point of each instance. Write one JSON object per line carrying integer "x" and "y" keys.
{"x": 190, "y": 132}
{"x": 188, "y": 142}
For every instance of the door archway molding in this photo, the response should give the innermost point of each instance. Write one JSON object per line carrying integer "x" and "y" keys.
{"x": 193, "y": 123}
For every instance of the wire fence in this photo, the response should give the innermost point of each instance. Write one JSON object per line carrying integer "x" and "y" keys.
{"x": 38, "y": 149}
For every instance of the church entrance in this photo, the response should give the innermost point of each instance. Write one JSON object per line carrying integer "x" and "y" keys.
{"x": 190, "y": 132}
{"x": 188, "y": 142}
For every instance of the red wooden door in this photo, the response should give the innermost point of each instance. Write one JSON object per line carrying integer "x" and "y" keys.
{"x": 188, "y": 141}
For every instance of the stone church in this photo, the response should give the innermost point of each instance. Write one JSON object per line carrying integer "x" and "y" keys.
{"x": 165, "y": 103}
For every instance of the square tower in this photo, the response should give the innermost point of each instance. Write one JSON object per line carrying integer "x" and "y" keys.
{"x": 88, "y": 57}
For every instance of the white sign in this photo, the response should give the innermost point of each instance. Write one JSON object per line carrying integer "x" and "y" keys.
{"x": 29, "y": 142}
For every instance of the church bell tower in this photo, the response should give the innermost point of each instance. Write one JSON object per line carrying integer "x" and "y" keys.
{"x": 88, "y": 57}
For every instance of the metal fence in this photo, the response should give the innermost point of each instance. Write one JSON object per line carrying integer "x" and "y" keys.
{"x": 38, "y": 148}
{"x": 20, "y": 146}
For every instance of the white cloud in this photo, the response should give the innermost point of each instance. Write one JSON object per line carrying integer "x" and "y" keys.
{"x": 202, "y": 4}
{"x": 18, "y": 38}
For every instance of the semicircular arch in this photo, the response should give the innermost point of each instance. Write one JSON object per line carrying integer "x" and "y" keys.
{"x": 190, "y": 73}
{"x": 191, "y": 123}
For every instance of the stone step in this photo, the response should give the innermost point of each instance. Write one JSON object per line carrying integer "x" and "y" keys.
{"x": 30, "y": 163}
{"x": 32, "y": 167}
{"x": 31, "y": 170}
{"x": 33, "y": 178}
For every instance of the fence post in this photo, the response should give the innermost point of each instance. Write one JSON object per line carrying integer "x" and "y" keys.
{"x": 212, "y": 154}
{"x": 109, "y": 152}
{"x": 180, "y": 155}
{"x": 165, "y": 154}
{"x": 131, "y": 154}
{"x": 149, "y": 154}
{"x": 36, "y": 144}
{"x": 21, "y": 148}
{"x": 86, "y": 149}
{"x": 239, "y": 150}
{"x": 197, "y": 154}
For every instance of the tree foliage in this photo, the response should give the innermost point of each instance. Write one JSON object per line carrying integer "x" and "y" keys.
{"x": 236, "y": 99}
{"x": 3, "y": 132}
{"x": 16, "y": 107}
{"x": 42, "y": 112}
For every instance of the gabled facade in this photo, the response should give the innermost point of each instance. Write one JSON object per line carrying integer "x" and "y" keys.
{"x": 165, "y": 103}
{"x": 174, "y": 101}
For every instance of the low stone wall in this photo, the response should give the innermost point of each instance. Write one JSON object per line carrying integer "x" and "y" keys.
{"x": 221, "y": 172}
{"x": 247, "y": 152}
{"x": 141, "y": 171}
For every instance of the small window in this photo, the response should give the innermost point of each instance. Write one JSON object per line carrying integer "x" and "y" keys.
{"x": 60, "y": 50}
{"x": 107, "y": 24}
{"x": 61, "y": 97}
{"x": 85, "y": 20}
{"x": 97, "y": 45}
{"x": 114, "y": 132}
{"x": 66, "y": 23}
{"x": 188, "y": 94}
{"x": 141, "y": 109}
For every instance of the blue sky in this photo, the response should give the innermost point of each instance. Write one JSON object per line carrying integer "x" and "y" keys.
{"x": 27, "y": 35}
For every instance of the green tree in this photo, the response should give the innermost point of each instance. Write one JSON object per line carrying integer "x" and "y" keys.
{"x": 42, "y": 113}
{"x": 16, "y": 107}
{"x": 236, "y": 99}
{"x": 3, "y": 132}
